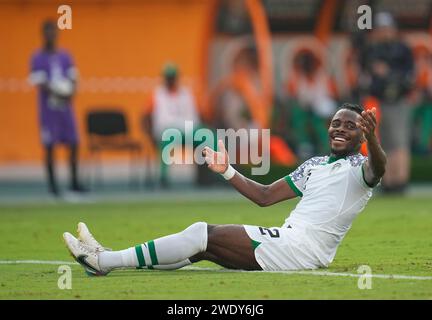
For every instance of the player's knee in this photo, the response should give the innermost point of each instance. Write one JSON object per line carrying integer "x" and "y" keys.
{"x": 213, "y": 232}
{"x": 197, "y": 235}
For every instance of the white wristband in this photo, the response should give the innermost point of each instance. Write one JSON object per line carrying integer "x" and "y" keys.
{"x": 229, "y": 173}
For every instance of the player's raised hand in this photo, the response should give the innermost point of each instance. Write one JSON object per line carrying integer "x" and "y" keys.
{"x": 367, "y": 122}
{"x": 217, "y": 161}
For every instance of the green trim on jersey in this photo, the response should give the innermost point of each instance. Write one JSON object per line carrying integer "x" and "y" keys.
{"x": 293, "y": 186}
{"x": 152, "y": 251}
{"x": 140, "y": 255}
{"x": 363, "y": 176}
{"x": 255, "y": 244}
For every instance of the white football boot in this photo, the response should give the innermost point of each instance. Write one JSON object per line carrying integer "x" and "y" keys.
{"x": 85, "y": 255}
{"x": 87, "y": 238}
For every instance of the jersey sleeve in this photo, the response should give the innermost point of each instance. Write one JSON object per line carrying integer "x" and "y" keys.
{"x": 71, "y": 70}
{"x": 297, "y": 178}
{"x": 191, "y": 108}
{"x": 358, "y": 171}
{"x": 38, "y": 75}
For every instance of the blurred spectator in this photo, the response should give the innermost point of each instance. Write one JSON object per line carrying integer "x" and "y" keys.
{"x": 171, "y": 105}
{"x": 390, "y": 67}
{"x": 241, "y": 104}
{"x": 353, "y": 66}
{"x": 233, "y": 18}
{"x": 234, "y": 111}
{"x": 54, "y": 74}
{"x": 423, "y": 110}
{"x": 312, "y": 93}
{"x": 239, "y": 94}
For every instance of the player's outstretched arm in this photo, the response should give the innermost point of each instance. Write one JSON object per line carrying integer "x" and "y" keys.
{"x": 374, "y": 167}
{"x": 262, "y": 195}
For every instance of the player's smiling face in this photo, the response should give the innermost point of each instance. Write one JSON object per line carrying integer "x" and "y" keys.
{"x": 344, "y": 135}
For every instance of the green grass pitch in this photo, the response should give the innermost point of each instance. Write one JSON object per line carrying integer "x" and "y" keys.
{"x": 392, "y": 236}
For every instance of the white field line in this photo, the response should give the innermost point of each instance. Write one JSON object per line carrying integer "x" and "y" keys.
{"x": 55, "y": 262}
{"x": 323, "y": 273}
{"x": 314, "y": 273}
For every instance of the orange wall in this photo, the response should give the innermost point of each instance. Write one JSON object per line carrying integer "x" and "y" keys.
{"x": 108, "y": 39}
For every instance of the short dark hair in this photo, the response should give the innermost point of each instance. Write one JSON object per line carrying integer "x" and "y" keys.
{"x": 353, "y": 107}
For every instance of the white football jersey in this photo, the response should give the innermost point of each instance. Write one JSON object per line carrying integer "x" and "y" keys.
{"x": 333, "y": 192}
{"x": 171, "y": 110}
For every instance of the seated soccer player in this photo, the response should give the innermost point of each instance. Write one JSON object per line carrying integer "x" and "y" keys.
{"x": 333, "y": 190}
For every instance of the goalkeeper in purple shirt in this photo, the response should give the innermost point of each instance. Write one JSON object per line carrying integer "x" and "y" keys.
{"x": 54, "y": 74}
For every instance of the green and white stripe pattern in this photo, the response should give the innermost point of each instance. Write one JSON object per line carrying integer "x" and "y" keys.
{"x": 146, "y": 255}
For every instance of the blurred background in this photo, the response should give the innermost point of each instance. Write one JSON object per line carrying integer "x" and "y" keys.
{"x": 82, "y": 109}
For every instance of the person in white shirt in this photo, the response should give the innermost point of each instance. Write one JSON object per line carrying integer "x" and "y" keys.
{"x": 333, "y": 190}
{"x": 171, "y": 105}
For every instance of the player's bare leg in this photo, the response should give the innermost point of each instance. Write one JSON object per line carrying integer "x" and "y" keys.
{"x": 230, "y": 247}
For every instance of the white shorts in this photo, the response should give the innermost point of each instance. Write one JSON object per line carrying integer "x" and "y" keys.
{"x": 282, "y": 248}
